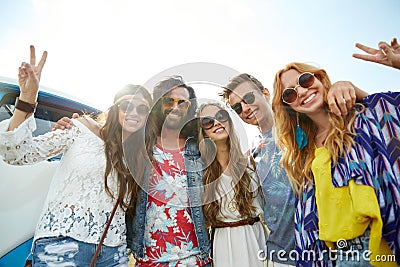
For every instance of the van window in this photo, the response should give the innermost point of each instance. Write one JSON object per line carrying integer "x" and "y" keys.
{"x": 42, "y": 125}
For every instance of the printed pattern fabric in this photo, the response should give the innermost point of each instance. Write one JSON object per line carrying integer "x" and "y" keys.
{"x": 170, "y": 238}
{"x": 279, "y": 198}
{"x": 374, "y": 160}
{"x": 275, "y": 183}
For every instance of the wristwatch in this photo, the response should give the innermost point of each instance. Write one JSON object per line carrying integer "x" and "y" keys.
{"x": 25, "y": 106}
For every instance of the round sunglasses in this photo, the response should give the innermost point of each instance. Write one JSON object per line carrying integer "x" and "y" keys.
{"x": 247, "y": 99}
{"x": 128, "y": 107}
{"x": 305, "y": 80}
{"x": 208, "y": 122}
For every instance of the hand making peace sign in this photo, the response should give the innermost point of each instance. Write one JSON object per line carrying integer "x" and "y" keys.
{"x": 386, "y": 54}
{"x": 29, "y": 76}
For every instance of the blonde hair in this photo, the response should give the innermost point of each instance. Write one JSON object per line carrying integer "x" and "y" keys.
{"x": 297, "y": 162}
{"x": 243, "y": 194}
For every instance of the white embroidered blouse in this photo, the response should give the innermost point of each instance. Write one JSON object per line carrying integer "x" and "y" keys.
{"x": 77, "y": 205}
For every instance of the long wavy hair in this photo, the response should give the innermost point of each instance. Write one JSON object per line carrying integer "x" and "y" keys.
{"x": 241, "y": 179}
{"x": 297, "y": 162}
{"x": 123, "y": 158}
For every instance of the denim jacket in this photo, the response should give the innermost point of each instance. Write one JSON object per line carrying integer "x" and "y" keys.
{"x": 135, "y": 223}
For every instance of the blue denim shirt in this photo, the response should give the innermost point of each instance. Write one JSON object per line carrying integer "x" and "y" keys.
{"x": 136, "y": 222}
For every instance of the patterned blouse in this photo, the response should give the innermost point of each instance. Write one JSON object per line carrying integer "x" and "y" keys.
{"x": 77, "y": 205}
{"x": 374, "y": 160}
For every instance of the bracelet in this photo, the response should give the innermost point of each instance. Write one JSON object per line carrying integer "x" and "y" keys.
{"x": 25, "y": 106}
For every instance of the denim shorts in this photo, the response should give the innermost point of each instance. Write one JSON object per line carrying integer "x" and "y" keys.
{"x": 354, "y": 254}
{"x": 66, "y": 251}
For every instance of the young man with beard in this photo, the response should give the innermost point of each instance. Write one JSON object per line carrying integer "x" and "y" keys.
{"x": 168, "y": 227}
{"x": 250, "y": 100}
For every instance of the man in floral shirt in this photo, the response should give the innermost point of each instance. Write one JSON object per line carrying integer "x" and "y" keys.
{"x": 167, "y": 228}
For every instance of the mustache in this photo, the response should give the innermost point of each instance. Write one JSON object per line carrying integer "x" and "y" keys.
{"x": 173, "y": 111}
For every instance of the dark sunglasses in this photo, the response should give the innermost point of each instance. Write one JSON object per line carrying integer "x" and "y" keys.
{"x": 128, "y": 107}
{"x": 247, "y": 99}
{"x": 305, "y": 80}
{"x": 208, "y": 122}
{"x": 170, "y": 101}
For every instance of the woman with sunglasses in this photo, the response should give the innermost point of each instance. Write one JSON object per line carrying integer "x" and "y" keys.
{"x": 232, "y": 201}
{"x": 345, "y": 170}
{"x": 95, "y": 172}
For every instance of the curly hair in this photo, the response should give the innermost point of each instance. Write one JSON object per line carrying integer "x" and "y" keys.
{"x": 237, "y": 166}
{"x": 297, "y": 162}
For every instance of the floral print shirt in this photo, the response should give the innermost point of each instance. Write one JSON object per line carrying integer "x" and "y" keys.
{"x": 170, "y": 238}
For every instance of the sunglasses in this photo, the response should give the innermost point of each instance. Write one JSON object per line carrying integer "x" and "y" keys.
{"x": 170, "y": 101}
{"x": 305, "y": 80}
{"x": 247, "y": 99}
{"x": 128, "y": 107}
{"x": 208, "y": 122}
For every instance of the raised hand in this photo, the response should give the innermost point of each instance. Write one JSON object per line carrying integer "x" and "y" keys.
{"x": 28, "y": 79}
{"x": 29, "y": 76}
{"x": 388, "y": 55}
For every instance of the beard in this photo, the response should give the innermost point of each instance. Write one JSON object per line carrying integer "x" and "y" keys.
{"x": 174, "y": 119}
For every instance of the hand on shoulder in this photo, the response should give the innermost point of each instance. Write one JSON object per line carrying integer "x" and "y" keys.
{"x": 90, "y": 123}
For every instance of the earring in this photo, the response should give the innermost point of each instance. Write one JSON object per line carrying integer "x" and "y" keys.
{"x": 300, "y": 135}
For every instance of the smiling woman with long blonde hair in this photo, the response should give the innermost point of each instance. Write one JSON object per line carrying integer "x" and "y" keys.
{"x": 344, "y": 169}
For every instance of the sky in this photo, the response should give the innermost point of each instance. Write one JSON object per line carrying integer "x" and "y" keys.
{"x": 96, "y": 46}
